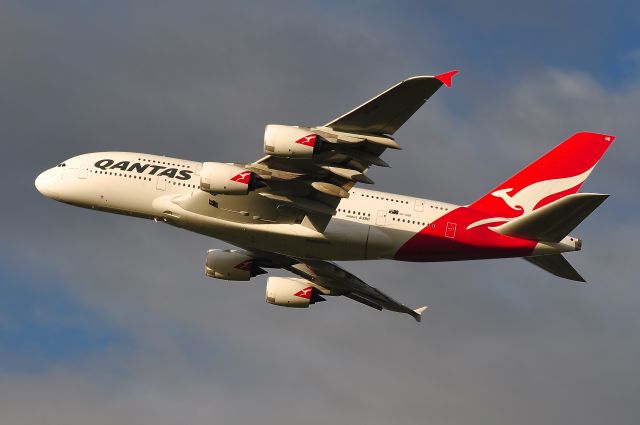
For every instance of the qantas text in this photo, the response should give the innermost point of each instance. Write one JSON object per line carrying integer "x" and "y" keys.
{"x": 150, "y": 169}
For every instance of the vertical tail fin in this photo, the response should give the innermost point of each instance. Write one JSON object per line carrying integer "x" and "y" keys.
{"x": 556, "y": 174}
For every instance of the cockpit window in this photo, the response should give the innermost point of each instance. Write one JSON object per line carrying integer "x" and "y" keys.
{"x": 61, "y": 165}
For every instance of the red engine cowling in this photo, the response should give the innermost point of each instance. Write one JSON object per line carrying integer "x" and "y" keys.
{"x": 227, "y": 179}
{"x": 291, "y": 292}
{"x": 290, "y": 142}
{"x": 230, "y": 265}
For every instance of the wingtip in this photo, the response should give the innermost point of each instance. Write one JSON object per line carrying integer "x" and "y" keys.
{"x": 417, "y": 313}
{"x": 447, "y": 77}
{"x": 589, "y": 135}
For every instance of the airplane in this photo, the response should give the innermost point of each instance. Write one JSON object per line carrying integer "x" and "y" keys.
{"x": 299, "y": 208}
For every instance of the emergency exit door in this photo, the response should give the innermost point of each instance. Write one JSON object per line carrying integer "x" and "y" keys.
{"x": 450, "y": 231}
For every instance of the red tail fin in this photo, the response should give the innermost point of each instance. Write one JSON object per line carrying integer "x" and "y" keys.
{"x": 558, "y": 173}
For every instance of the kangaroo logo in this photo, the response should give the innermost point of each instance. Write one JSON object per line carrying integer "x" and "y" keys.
{"x": 527, "y": 198}
{"x": 304, "y": 293}
{"x": 246, "y": 265}
{"x": 309, "y": 140}
{"x": 243, "y": 177}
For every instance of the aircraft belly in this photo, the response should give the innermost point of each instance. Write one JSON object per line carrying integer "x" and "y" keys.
{"x": 342, "y": 240}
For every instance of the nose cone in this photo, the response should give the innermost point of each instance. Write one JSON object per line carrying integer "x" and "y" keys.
{"x": 45, "y": 184}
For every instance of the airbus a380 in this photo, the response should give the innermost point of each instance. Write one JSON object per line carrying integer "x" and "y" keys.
{"x": 298, "y": 208}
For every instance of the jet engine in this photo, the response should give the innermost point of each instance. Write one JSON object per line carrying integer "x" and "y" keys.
{"x": 230, "y": 265}
{"x": 227, "y": 179}
{"x": 291, "y": 292}
{"x": 290, "y": 142}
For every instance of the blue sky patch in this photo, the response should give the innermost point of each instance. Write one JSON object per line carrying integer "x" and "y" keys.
{"x": 43, "y": 325}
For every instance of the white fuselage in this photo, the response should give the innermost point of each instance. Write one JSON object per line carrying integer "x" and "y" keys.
{"x": 367, "y": 225}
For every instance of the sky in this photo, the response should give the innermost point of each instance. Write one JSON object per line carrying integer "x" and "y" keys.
{"x": 107, "y": 319}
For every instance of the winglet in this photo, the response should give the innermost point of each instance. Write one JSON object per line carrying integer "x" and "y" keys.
{"x": 417, "y": 313}
{"x": 447, "y": 77}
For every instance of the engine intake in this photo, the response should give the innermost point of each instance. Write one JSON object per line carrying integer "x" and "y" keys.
{"x": 291, "y": 292}
{"x": 227, "y": 179}
{"x": 290, "y": 142}
{"x": 230, "y": 265}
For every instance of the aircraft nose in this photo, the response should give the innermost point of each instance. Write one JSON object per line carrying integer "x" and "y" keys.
{"x": 45, "y": 185}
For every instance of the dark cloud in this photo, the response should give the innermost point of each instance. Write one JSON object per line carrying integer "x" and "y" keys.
{"x": 503, "y": 341}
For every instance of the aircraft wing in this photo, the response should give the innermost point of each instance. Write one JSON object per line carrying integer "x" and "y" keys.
{"x": 337, "y": 280}
{"x": 350, "y": 145}
{"x": 388, "y": 111}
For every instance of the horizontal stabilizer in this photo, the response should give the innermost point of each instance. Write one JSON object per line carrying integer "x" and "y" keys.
{"x": 557, "y": 265}
{"x": 553, "y": 221}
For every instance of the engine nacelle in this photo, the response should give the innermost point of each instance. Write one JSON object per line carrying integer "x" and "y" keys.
{"x": 227, "y": 179}
{"x": 291, "y": 292}
{"x": 230, "y": 265}
{"x": 290, "y": 142}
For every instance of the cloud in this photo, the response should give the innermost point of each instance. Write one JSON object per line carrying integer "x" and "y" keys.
{"x": 503, "y": 342}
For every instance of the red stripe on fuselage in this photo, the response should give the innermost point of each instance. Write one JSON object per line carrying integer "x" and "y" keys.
{"x": 435, "y": 243}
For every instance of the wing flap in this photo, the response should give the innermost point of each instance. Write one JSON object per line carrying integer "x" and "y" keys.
{"x": 363, "y": 300}
{"x": 303, "y": 204}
